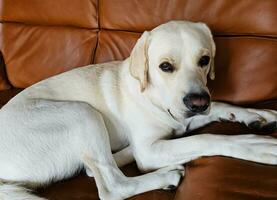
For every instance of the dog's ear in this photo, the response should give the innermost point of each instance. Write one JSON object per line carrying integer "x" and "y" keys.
{"x": 139, "y": 61}
{"x": 212, "y": 68}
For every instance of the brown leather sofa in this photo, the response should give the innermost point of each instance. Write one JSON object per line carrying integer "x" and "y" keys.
{"x": 41, "y": 38}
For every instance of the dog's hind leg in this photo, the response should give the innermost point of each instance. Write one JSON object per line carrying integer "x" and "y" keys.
{"x": 111, "y": 182}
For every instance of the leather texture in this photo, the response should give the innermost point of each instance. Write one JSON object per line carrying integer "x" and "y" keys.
{"x": 246, "y": 70}
{"x": 115, "y": 45}
{"x": 39, "y": 39}
{"x": 229, "y": 179}
{"x": 224, "y": 17}
{"x": 51, "y": 12}
{"x": 43, "y": 51}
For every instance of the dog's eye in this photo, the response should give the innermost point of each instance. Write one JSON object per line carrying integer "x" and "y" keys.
{"x": 204, "y": 60}
{"x": 166, "y": 67}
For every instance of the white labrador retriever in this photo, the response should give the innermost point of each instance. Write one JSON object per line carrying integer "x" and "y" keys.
{"x": 77, "y": 119}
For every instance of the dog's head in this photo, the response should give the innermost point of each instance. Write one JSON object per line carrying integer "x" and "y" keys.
{"x": 172, "y": 63}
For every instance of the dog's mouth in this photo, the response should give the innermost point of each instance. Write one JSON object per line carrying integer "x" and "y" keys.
{"x": 188, "y": 114}
{"x": 171, "y": 115}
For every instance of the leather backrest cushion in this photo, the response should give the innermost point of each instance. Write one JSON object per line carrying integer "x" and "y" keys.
{"x": 223, "y": 16}
{"x": 33, "y": 53}
{"x": 245, "y": 66}
{"x": 42, "y": 38}
{"x": 246, "y": 69}
{"x": 114, "y": 45}
{"x": 51, "y": 12}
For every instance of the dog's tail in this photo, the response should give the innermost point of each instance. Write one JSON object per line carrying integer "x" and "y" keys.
{"x": 16, "y": 192}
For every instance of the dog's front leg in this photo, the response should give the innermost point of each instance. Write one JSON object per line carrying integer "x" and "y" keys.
{"x": 254, "y": 118}
{"x": 124, "y": 156}
{"x": 161, "y": 153}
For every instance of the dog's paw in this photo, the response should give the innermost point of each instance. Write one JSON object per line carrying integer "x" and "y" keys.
{"x": 257, "y": 148}
{"x": 267, "y": 127}
{"x": 173, "y": 175}
{"x": 264, "y": 120}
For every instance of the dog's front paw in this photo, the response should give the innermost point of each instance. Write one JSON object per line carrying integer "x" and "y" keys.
{"x": 173, "y": 175}
{"x": 268, "y": 127}
{"x": 261, "y": 149}
{"x": 264, "y": 120}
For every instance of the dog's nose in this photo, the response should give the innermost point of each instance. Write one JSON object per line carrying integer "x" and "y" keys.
{"x": 197, "y": 102}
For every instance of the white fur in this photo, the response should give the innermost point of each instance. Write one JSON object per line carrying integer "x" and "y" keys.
{"x": 76, "y": 119}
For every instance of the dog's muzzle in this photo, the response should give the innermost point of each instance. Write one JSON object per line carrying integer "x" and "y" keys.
{"x": 197, "y": 102}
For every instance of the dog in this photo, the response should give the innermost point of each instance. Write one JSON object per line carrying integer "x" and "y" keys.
{"x": 101, "y": 117}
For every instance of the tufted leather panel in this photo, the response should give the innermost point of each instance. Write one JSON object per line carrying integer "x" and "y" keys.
{"x": 114, "y": 45}
{"x": 232, "y": 82}
{"x": 224, "y": 17}
{"x": 250, "y": 75}
{"x": 51, "y": 12}
{"x": 43, "y": 51}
